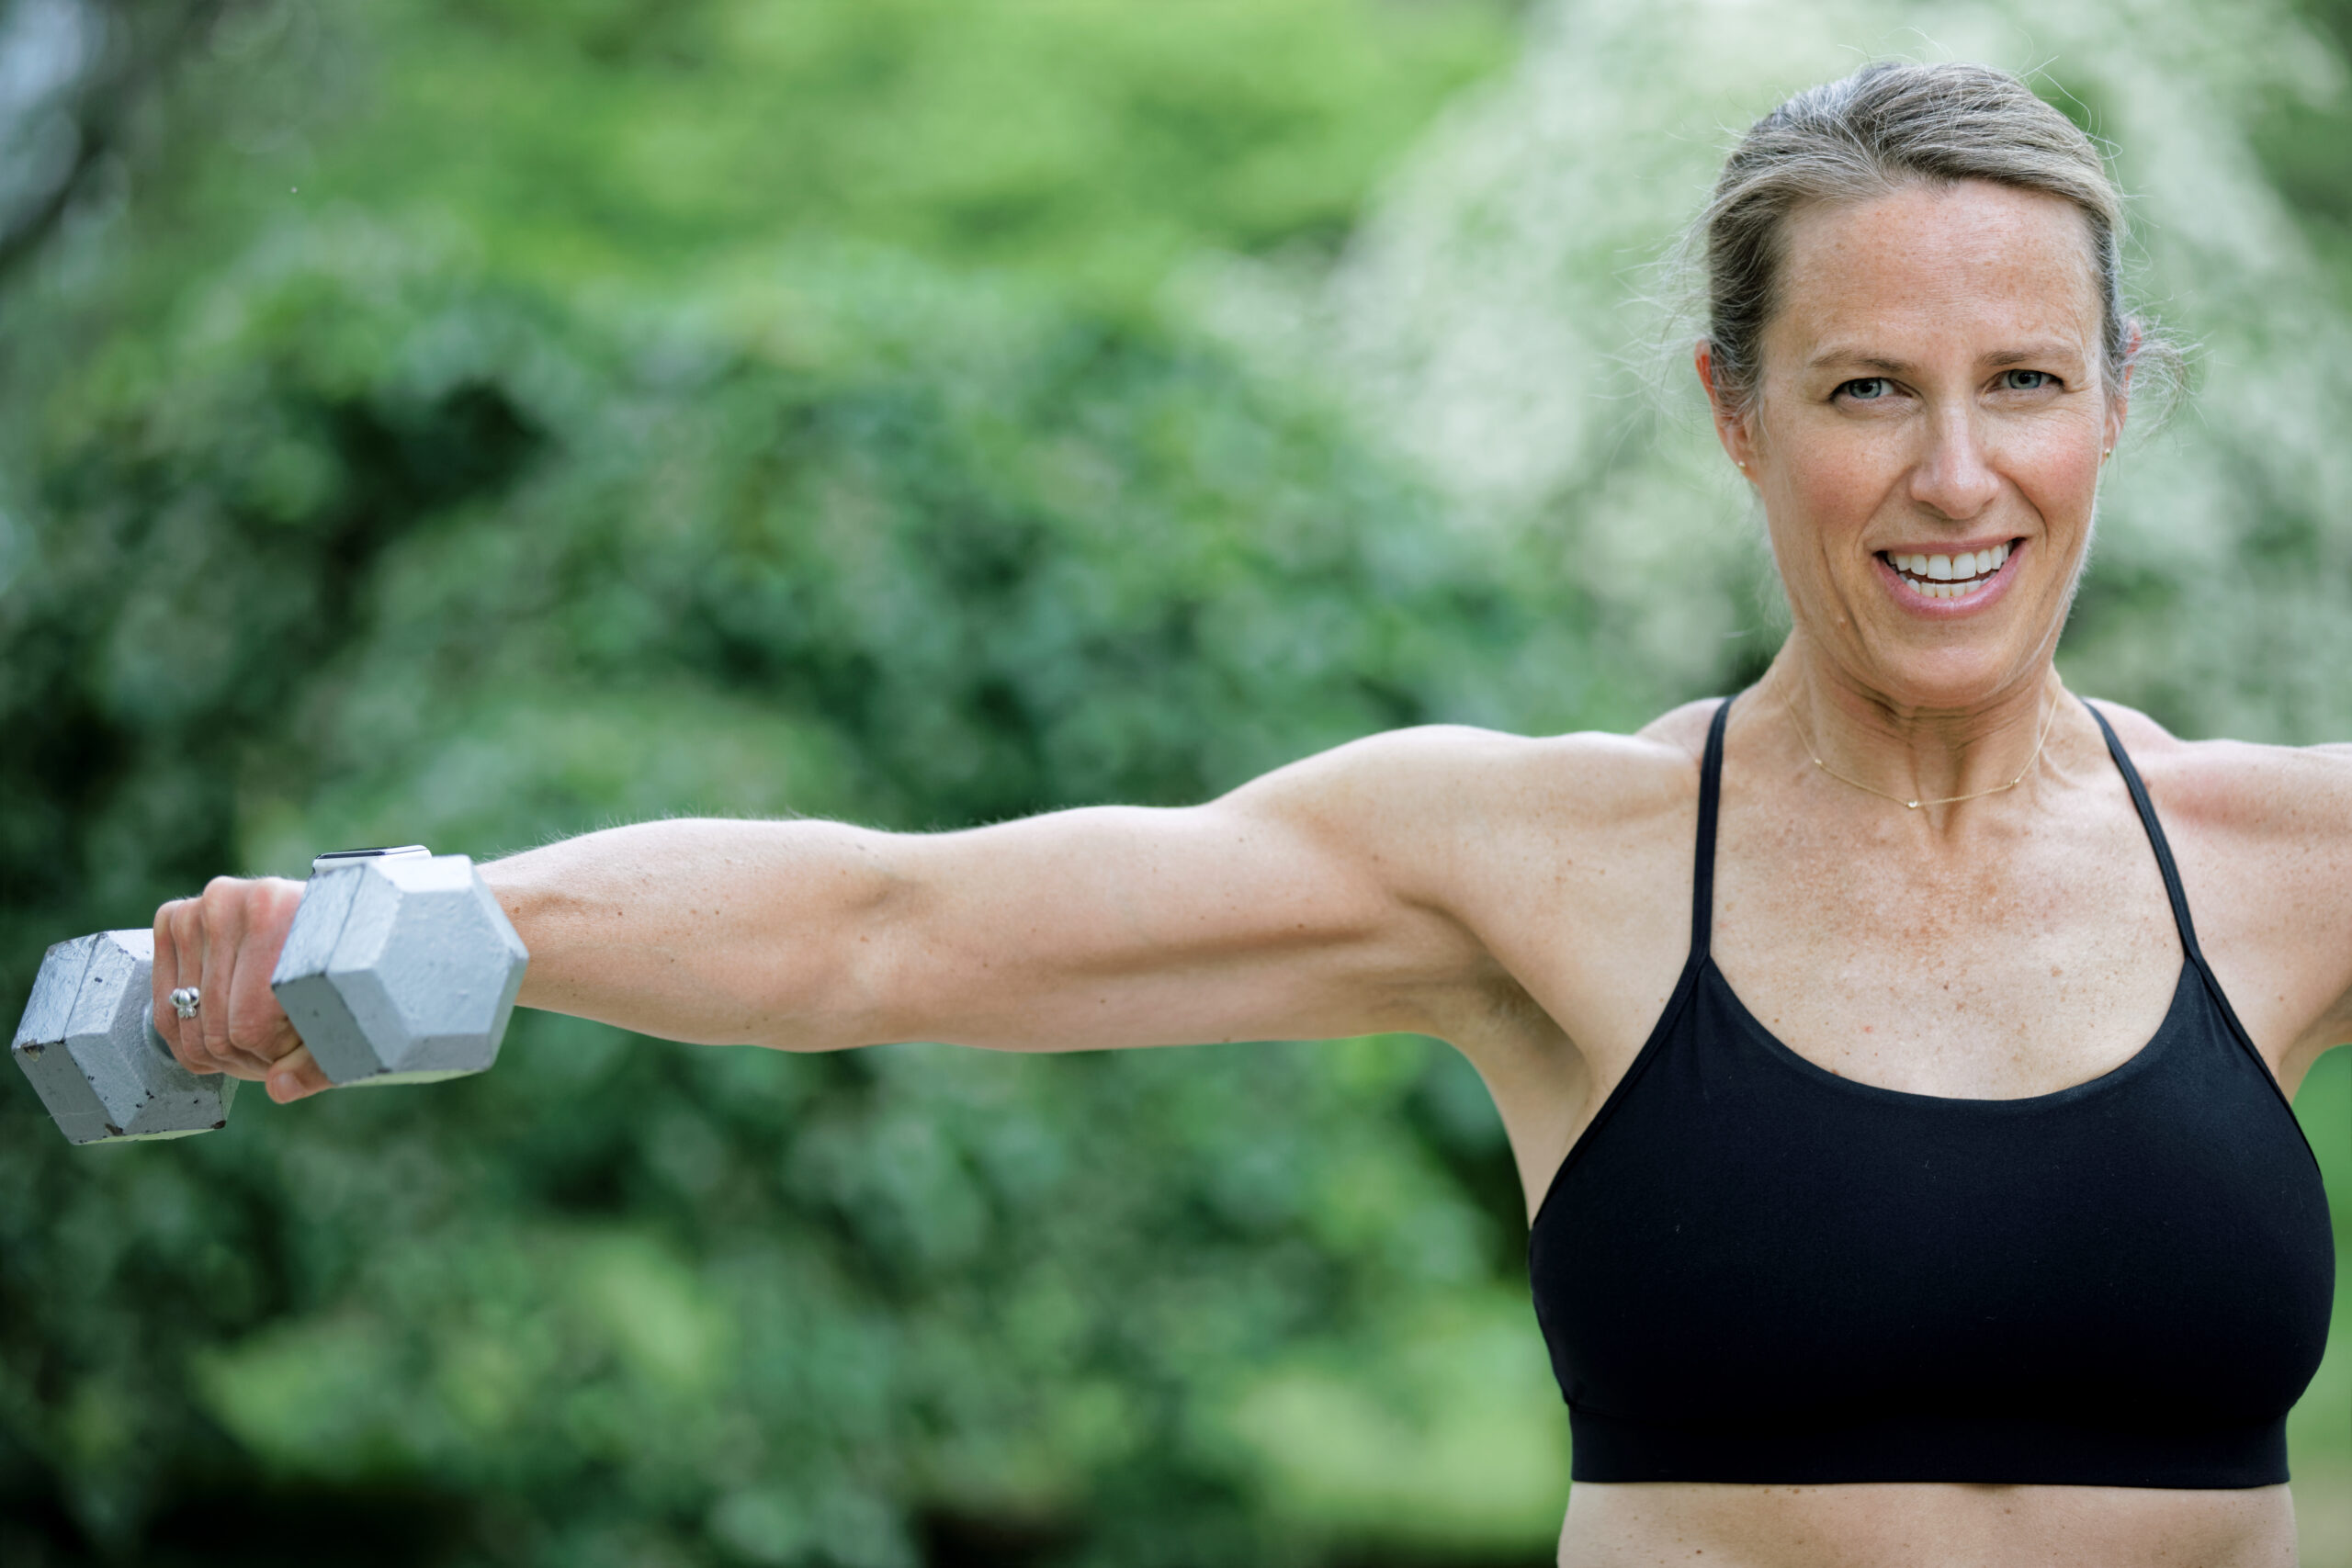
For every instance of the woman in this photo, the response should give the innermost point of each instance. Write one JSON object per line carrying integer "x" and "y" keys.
{"x": 1904, "y": 1187}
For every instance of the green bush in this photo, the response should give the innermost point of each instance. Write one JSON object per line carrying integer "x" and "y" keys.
{"x": 372, "y": 549}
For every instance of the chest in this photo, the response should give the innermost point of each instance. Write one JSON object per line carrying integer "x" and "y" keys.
{"x": 2009, "y": 964}
{"x": 2005, "y": 964}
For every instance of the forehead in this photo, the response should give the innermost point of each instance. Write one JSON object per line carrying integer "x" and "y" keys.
{"x": 1933, "y": 266}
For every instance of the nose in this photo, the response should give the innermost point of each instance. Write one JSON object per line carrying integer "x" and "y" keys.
{"x": 1954, "y": 477}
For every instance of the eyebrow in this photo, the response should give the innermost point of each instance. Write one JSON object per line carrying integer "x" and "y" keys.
{"x": 1840, "y": 355}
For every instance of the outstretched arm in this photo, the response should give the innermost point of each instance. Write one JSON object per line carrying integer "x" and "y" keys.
{"x": 1310, "y": 903}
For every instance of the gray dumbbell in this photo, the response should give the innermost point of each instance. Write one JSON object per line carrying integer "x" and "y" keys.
{"x": 400, "y": 967}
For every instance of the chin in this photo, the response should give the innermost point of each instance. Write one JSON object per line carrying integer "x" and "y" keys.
{"x": 1952, "y": 679}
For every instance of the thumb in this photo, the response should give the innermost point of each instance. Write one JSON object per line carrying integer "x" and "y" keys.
{"x": 297, "y": 1076}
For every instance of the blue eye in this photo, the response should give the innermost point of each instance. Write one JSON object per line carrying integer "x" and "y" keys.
{"x": 1867, "y": 388}
{"x": 2027, "y": 381}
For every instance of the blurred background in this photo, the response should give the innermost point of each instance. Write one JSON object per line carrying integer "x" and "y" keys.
{"x": 471, "y": 422}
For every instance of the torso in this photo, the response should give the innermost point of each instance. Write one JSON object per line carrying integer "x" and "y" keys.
{"x": 2021, "y": 946}
{"x": 1952, "y": 1527}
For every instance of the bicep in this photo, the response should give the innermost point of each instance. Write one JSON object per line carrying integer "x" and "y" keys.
{"x": 1276, "y": 912}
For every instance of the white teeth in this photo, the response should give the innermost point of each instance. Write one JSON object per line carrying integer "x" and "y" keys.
{"x": 1943, "y": 590}
{"x": 1951, "y": 577}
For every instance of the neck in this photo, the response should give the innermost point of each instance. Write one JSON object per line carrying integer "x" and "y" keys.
{"x": 1933, "y": 758}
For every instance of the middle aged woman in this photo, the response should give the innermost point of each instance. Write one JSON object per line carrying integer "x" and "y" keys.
{"x": 1897, "y": 1056}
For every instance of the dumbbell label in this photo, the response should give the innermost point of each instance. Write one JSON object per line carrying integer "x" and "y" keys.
{"x": 334, "y": 859}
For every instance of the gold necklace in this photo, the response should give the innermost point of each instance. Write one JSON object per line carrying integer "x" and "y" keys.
{"x": 1798, "y": 725}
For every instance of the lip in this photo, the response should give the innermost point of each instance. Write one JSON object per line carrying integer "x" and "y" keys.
{"x": 1996, "y": 589}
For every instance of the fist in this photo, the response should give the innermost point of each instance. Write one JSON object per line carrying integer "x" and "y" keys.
{"x": 225, "y": 943}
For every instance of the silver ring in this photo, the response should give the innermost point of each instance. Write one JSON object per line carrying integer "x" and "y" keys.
{"x": 185, "y": 1000}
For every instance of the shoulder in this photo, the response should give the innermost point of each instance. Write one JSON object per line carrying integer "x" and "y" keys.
{"x": 1500, "y": 832}
{"x": 2264, "y": 838}
{"x": 1450, "y": 774}
{"x": 2240, "y": 789}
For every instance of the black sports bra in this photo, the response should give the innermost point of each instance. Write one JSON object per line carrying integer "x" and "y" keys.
{"x": 1752, "y": 1269}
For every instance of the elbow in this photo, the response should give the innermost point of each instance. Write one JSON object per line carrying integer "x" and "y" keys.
{"x": 851, "y": 986}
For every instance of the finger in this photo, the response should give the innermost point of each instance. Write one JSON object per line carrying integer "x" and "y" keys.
{"x": 164, "y": 977}
{"x": 224, "y": 932}
{"x": 259, "y": 1030}
{"x": 186, "y": 919}
{"x": 296, "y": 1076}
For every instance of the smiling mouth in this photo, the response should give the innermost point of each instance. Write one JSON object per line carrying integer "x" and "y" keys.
{"x": 1948, "y": 577}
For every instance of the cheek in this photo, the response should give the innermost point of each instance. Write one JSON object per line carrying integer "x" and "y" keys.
{"x": 1840, "y": 491}
{"x": 1826, "y": 490}
{"x": 2058, "y": 473}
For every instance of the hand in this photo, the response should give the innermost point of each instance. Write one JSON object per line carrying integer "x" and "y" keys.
{"x": 226, "y": 942}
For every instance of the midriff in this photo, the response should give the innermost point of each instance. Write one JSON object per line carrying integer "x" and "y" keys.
{"x": 1909, "y": 1525}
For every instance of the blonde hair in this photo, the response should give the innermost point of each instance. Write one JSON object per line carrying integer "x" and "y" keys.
{"x": 1886, "y": 125}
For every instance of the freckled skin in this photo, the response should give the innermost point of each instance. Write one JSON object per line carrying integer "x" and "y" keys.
{"x": 1931, "y": 381}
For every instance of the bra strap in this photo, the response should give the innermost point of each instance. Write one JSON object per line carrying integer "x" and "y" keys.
{"x": 1711, "y": 792}
{"x": 2180, "y": 916}
{"x": 2155, "y": 830}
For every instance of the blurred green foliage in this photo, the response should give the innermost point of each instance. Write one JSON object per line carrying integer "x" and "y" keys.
{"x": 479, "y": 422}
{"x": 1093, "y": 144}
{"x": 2305, "y": 142}
{"x": 523, "y": 534}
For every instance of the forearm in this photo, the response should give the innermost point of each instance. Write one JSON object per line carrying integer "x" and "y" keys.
{"x": 707, "y": 931}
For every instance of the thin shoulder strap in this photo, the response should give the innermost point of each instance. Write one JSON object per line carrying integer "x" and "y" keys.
{"x": 2180, "y": 915}
{"x": 1711, "y": 794}
{"x": 2155, "y": 830}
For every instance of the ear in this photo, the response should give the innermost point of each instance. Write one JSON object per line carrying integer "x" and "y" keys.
{"x": 1732, "y": 428}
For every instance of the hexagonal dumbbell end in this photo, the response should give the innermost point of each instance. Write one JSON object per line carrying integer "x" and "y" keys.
{"x": 400, "y": 968}
{"x": 88, "y": 1043}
